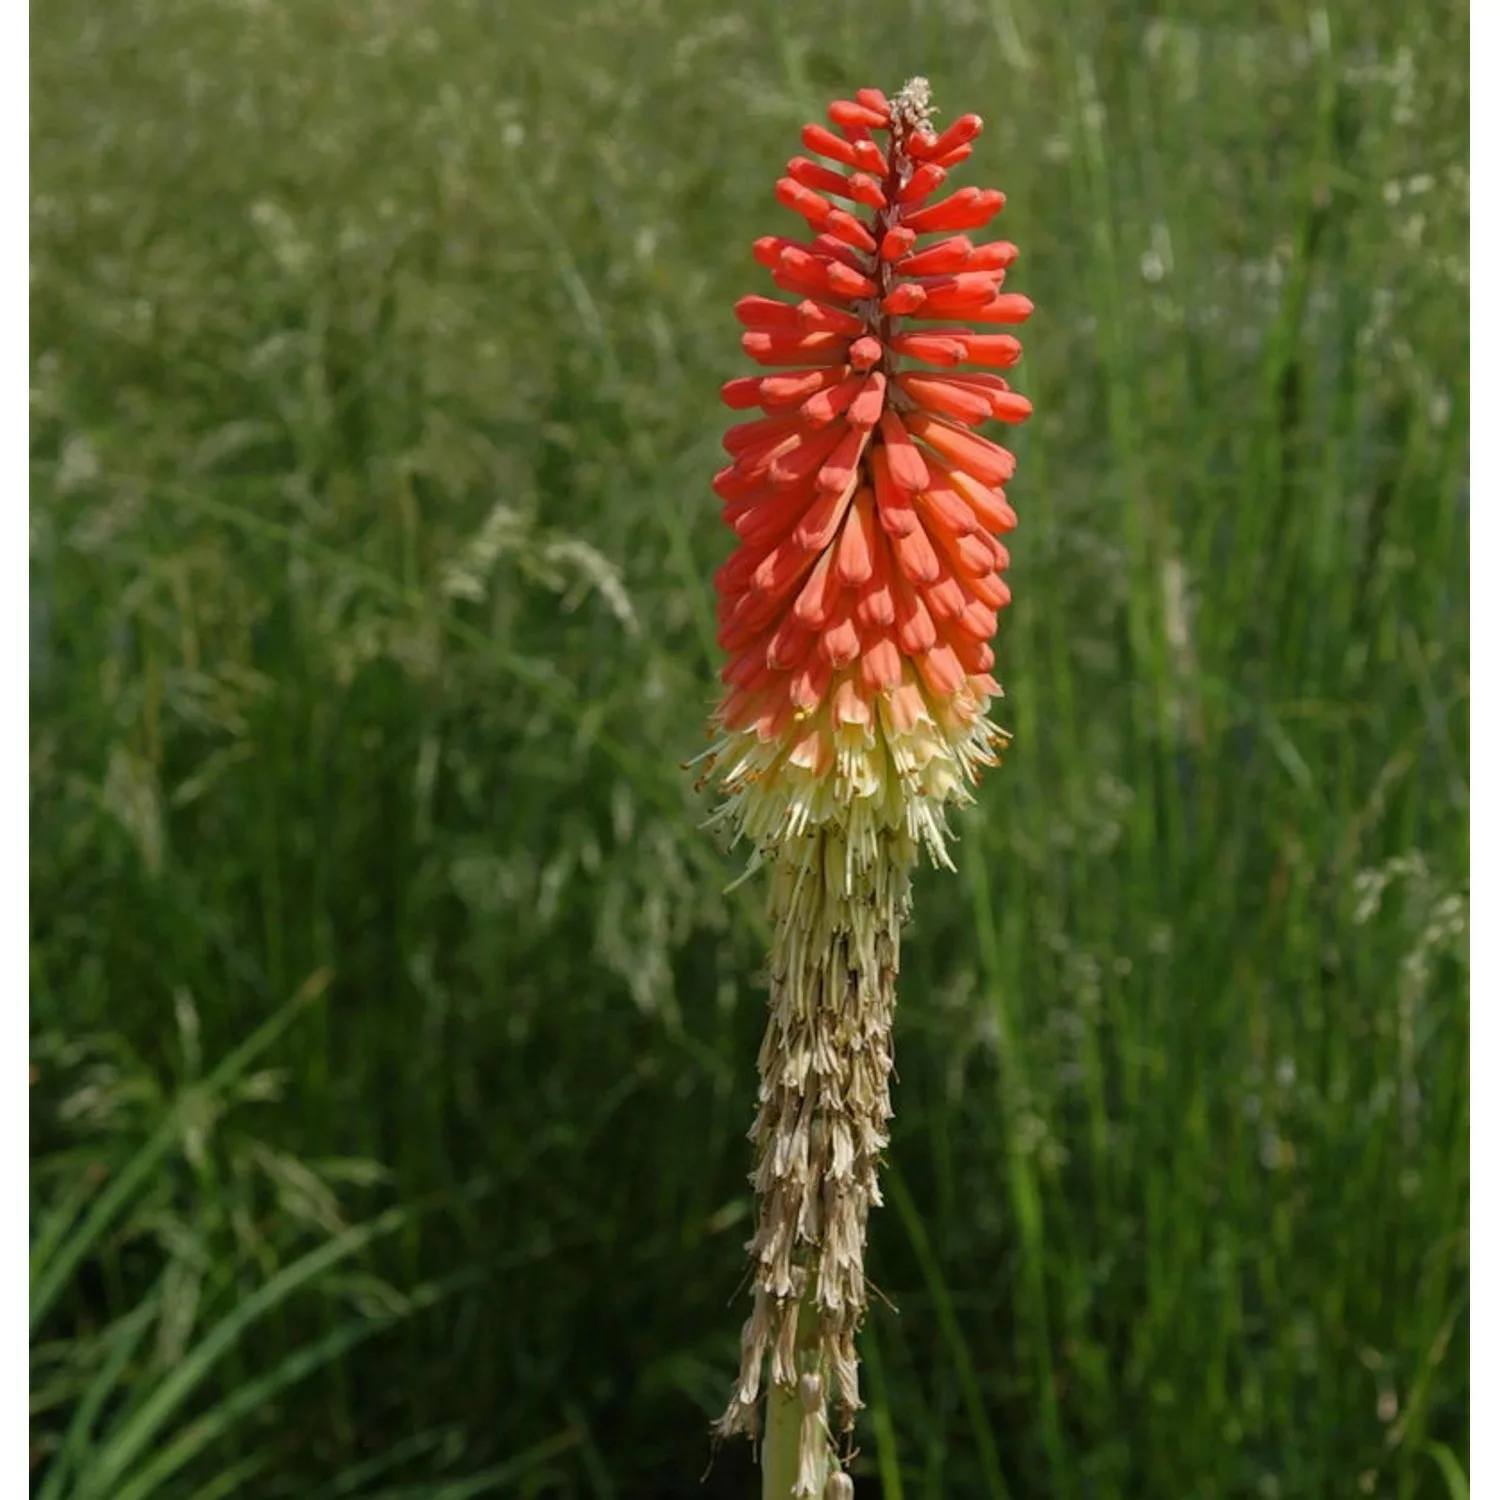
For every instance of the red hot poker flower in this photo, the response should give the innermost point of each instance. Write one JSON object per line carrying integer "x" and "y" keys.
{"x": 858, "y": 608}
{"x": 857, "y": 611}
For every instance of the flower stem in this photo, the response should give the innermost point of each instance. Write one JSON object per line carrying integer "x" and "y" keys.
{"x": 797, "y": 1457}
{"x": 779, "y": 1455}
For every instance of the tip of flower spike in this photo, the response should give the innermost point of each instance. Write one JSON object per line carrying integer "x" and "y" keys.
{"x": 959, "y": 133}
{"x": 912, "y": 107}
{"x": 848, "y": 112}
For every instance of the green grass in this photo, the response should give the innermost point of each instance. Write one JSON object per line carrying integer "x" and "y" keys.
{"x": 375, "y": 353}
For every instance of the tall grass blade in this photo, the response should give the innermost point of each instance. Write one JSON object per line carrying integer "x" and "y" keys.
{"x": 50, "y": 1278}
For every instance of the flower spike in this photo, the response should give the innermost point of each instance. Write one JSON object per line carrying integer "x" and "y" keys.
{"x": 857, "y": 613}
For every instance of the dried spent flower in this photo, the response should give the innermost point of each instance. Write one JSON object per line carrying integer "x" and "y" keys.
{"x": 856, "y": 611}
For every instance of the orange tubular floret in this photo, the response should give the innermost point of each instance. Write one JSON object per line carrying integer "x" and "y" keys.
{"x": 787, "y": 648}
{"x": 893, "y": 507}
{"x": 915, "y": 555}
{"x": 742, "y": 393}
{"x": 875, "y": 606}
{"x": 839, "y": 642}
{"x": 941, "y": 670}
{"x": 848, "y": 230}
{"x": 749, "y": 671}
{"x": 897, "y": 243}
{"x": 732, "y": 578}
{"x": 906, "y": 299}
{"x": 854, "y": 559}
{"x": 983, "y": 459}
{"x": 765, "y": 313}
{"x": 747, "y": 435}
{"x": 1005, "y": 405}
{"x": 925, "y": 181}
{"x": 915, "y": 632}
{"x": 832, "y": 401}
{"x": 952, "y": 158}
{"x": 990, "y": 507}
{"x": 880, "y": 666}
{"x": 940, "y": 259}
{"x": 998, "y": 255}
{"x": 1006, "y": 308}
{"x": 756, "y": 460}
{"x": 818, "y": 317}
{"x": 732, "y": 484}
{"x": 819, "y": 178}
{"x": 820, "y": 523}
{"x": 813, "y": 283}
{"x": 998, "y": 350}
{"x": 963, "y": 290}
{"x": 814, "y": 604}
{"x": 934, "y": 348}
{"x": 1010, "y": 406}
{"x": 795, "y": 348}
{"x": 809, "y": 456}
{"x": 849, "y": 706}
{"x": 972, "y": 568}
{"x": 868, "y": 405}
{"x": 974, "y": 654}
{"x": 812, "y": 206}
{"x": 945, "y": 396}
{"x": 832, "y": 248}
{"x": 866, "y": 190}
{"x": 864, "y": 501}
{"x": 979, "y": 621}
{"x": 822, "y": 140}
{"x": 945, "y": 595}
{"x": 790, "y": 390}
{"x": 767, "y": 249}
{"x": 810, "y": 682}
{"x": 840, "y": 474}
{"x": 968, "y": 208}
{"x": 959, "y": 133}
{"x": 907, "y": 469}
{"x": 847, "y": 112}
{"x": 945, "y": 510}
{"x": 775, "y": 516}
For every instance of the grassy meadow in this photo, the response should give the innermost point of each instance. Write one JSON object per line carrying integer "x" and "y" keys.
{"x": 393, "y": 1025}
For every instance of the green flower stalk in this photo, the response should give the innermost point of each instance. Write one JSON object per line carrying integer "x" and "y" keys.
{"x": 857, "y": 612}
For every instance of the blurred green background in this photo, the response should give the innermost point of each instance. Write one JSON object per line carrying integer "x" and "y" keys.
{"x": 393, "y": 1031}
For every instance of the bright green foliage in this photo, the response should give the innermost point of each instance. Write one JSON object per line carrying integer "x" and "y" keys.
{"x": 375, "y": 351}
